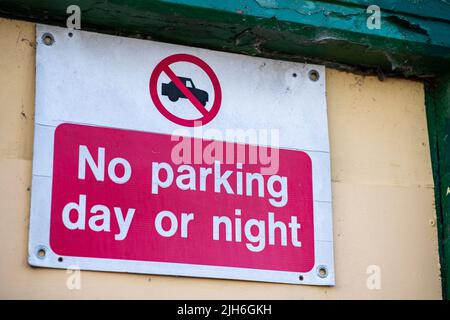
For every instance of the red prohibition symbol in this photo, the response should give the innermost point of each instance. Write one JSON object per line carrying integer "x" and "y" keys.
{"x": 164, "y": 66}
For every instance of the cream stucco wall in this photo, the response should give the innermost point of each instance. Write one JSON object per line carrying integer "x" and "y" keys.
{"x": 382, "y": 196}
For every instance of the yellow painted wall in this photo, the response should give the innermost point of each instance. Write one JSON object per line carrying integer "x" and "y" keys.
{"x": 383, "y": 199}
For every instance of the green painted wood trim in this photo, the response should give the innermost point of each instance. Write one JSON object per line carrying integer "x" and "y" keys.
{"x": 334, "y": 33}
{"x": 438, "y": 115}
{"x": 439, "y": 9}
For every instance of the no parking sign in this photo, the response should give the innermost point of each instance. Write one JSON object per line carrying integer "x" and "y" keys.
{"x": 178, "y": 88}
{"x": 179, "y": 161}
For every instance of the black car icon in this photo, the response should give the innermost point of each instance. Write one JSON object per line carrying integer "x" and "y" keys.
{"x": 173, "y": 93}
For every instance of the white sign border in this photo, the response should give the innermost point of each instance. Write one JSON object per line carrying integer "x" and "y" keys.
{"x": 39, "y": 231}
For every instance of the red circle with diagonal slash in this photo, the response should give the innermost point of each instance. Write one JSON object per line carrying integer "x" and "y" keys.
{"x": 164, "y": 66}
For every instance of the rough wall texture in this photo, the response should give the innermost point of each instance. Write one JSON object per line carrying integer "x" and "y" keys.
{"x": 382, "y": 191}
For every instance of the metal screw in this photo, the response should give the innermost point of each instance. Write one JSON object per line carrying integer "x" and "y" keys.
{"x": 313, "y": 75}
{"x": 48, "y": 39}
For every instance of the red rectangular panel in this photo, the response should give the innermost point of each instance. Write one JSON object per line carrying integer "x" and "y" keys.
{"x": 274, "y": 230}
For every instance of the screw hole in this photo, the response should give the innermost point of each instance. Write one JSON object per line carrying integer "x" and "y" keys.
{"x": 47, "y": 39}
{"x": 300, "y": 278}
{"x": 294, "y": 75}
{"x": 41, "y": 253}
{"x": 70, "y": 34}
{"x": 314, "y": 75}
{"x": 60, "y": 259}
{"x": 322, "y": 271}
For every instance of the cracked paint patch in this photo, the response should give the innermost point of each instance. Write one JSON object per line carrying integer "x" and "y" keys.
{"x": 411, "y": 42}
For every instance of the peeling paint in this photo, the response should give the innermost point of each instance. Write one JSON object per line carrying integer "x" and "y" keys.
{"x": 333, "y": 33}
{"x": 405, "y": 23}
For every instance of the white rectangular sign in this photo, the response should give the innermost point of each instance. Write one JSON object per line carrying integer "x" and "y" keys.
{"x": 164, "y": 159}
